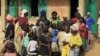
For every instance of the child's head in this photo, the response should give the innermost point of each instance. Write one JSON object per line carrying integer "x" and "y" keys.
{"x": 9, "y": 18}
{"x": 10, "y": 47}
{"x": 26, "y": 28}
{"x": 67, "y": 28}
{"x": 61, "y": 27}
{"x": 65, "y": 18}
{"x": 33, "y": 36}
{"x": 74, "y": 29}
{"x": 54, "y": 14}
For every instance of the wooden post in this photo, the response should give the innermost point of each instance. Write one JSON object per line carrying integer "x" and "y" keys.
{"x": 3, "y": 13}
{"x": 19, "y": 7}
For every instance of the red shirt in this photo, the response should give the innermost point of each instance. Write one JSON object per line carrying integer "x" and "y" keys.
{"x": 22, "y": 20}
{"x": 83, "y": 30}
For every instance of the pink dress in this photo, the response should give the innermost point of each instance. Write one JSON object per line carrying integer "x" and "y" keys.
{"x": 10, "y": 54}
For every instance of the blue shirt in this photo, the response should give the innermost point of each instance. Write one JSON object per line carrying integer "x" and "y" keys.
{"x": 89, "y": 22}
{"x": 54, "y": 33}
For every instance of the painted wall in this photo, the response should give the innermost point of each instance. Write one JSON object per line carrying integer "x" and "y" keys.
{"x": 94, "y": 14}
{"x": 62, "y": 7}
{"x": 42, "y": 5}
{"x": 91, "y": 6}
{"x": 13, "y": 8}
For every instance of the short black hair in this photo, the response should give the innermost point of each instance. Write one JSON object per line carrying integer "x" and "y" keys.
{"x": 10, "y": 47}
{"x": 54, "y": 12}
{"x": 61, "y": 26}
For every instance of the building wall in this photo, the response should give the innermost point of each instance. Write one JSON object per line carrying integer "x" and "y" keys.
{"x": 81, "y": 7}
{"x": 2, "y": 17}
{"x": 62, "y": 7}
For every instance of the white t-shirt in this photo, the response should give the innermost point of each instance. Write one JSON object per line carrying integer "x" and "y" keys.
{"x": 32, "y": 45}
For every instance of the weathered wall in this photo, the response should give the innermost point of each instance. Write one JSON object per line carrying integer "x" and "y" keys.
{"x": 62, "y": 7}
{"x": 81, "y": 7}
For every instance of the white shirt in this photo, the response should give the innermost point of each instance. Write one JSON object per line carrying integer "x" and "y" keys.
{"x": 32, "y": 45}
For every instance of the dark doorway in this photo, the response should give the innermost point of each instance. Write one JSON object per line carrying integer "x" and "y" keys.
{"x": 74, "y": 5}
{"x": 8, "y": 4}
{"x": 34, "y": 7}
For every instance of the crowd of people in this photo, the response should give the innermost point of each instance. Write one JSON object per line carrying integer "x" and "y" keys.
{"x": 49, "y": 37}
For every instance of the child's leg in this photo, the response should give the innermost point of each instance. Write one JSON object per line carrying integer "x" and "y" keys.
{"x": 76, "y": 51}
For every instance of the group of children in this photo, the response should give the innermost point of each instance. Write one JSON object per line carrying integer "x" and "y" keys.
{"x": 48, "y": 37}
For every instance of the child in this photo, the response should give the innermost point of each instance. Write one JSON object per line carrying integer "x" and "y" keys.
{"x": 10, "y": 49}
{"x": 44, "y": 43}
{"x": 32, "y": 46}
{"x": 54, "y": 46}
{"x": 9, "y": 34}
{"x": 25, "y": 41}
{"x": 84, "y": 35}
{"x": 66, "y": 48}
{"x": 61, "y": 36}
{"x": 75, "y": 41}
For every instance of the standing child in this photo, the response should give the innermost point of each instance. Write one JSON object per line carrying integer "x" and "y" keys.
{"x": 54, "y": 46}
{"x": 84, "y": 35}
{"x": 9, "y": 35}
{"x": 44, "y": 43}
{"x": 32, "y": 46}
{"x": 75, "y": 41}
{"x": 25, "y": 41}
{"x": 61, "y": 36}
{"x": 10, "y": 49}
{"x": 66, "y": 47}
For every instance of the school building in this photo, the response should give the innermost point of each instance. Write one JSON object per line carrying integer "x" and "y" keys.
{"x": 63, "y": 7}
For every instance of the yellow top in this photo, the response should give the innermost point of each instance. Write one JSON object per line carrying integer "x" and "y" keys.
{"x": 75, "y": 40}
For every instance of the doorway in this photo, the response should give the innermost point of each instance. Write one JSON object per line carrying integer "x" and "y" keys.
{"x": 34, "y": 7}
{"x": 74, "y": 5}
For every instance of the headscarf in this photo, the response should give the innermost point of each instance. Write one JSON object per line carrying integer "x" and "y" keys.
{"x": 75, "y": 27}
{"x": 9, "y": 17}
{"x": 74, "y": 20}
{"x": 23, "y": 12}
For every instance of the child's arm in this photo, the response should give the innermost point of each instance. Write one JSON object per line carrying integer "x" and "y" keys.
{"x": 65, "y": 43}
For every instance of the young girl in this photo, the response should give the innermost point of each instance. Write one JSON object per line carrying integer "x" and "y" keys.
{"x": 54, "y": 46}
{"x": 10, "y": 49}
{"x": 84, "y": 35}
{"x": 32, "y": 46}
{"x": 25, "y": 41}
{"x": 75, "y": 41}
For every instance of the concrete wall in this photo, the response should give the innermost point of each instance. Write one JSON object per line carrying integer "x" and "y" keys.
{"x": 62, "y": 7}
{"x": 81, "y": 7}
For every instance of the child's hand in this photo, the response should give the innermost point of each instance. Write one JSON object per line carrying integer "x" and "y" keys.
{"x": 3, "y": 31}
{"x": 65, "y": 43}
{"x": 73, "y": 46}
